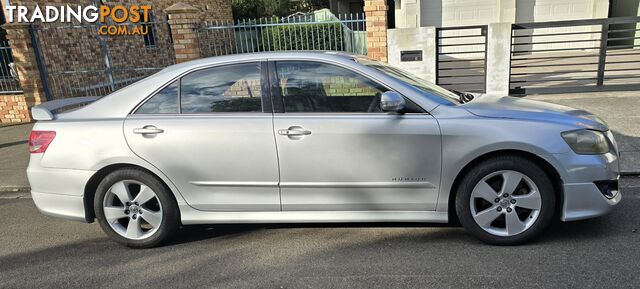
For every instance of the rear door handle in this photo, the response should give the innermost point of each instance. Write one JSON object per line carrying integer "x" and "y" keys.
{"x": 148, "y": 129}
{"x": 294, "y": 131}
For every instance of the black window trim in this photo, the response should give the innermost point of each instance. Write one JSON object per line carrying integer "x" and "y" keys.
{"x": 278, "y": 101}
{"x": 275, "y": 92}
{"x": 264, "y": 93}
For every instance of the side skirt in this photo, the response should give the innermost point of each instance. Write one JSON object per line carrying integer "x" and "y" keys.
{"x": 192, "y": 216}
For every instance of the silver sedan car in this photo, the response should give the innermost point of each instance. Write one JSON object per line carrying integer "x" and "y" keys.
{"x": 315, "y": 137}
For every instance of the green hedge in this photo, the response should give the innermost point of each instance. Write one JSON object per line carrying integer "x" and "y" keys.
{"x": 325, "y": 36}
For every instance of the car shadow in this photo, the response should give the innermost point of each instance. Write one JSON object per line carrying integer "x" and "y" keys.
{"x": 194, "y": 233}
{"x": 558, "y": 231}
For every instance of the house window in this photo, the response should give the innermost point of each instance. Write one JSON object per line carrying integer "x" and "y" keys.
{"x": 150, "y": 27}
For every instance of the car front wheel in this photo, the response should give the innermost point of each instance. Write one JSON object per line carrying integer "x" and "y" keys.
{"x": 134, "y": 208}
{"x": 505, "y": 200}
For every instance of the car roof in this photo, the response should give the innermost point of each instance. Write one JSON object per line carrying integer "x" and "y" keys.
{"x": 336, "y": 55}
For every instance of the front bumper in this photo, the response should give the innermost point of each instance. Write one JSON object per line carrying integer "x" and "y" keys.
{"x": 582, "y": 198}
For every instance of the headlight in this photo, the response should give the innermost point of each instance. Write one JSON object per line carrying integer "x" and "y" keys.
{"x": 586, "y": 142}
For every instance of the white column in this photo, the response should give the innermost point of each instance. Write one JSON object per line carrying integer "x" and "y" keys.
{"x": 507, "y": 11}
{"x": 637, "y": 36}
{"x": 498, "y": 58}
{"x": 407, "y": 13}
{"x": 407, "y": 39}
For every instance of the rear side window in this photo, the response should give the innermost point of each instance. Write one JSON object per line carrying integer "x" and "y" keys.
{"x": 229, "y": 88}
{"x": 165, "y": 101}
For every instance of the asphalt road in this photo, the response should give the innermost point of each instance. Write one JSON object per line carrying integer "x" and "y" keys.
{"x": 42, "y": 252}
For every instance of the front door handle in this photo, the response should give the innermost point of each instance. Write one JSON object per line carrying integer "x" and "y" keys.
{"x": 294, "y": 131}
{"x": 147, "y": 129}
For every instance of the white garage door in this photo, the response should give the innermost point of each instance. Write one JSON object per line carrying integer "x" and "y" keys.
{"x": 556, "y": 10}
{"x": 445, "y": 13}
{"x": 552, "y": 10}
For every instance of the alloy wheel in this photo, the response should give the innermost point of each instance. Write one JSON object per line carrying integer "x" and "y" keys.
{"x": 505, "y": 203}
{"x": 132, "y": 209}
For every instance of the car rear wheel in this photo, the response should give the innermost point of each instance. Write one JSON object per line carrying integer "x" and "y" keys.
{"x": 134, "y": 208}
{"x": 505, "y": 200}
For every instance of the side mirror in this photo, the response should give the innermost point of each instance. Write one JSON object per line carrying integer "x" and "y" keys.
{"x": 391, "y": 101}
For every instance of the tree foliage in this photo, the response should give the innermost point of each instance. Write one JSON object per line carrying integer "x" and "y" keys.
{"x": 312, "y": 37}
{"x": 244, "y": 9}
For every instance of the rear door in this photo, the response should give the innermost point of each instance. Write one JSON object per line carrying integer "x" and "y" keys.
{"x": 339, "y": 152}
{"x": 211, "y": 133}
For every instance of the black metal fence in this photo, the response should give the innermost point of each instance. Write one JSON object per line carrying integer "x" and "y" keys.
{"x": 74, "y": 60}
{"x": 315, "y": 31}
{"x": 461, "y": 58}
{"x": 8, "y": 79}
{"x": 574, "y": 56}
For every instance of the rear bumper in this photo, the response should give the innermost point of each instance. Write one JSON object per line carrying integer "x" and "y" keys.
{"x": 58, "y": 192}
{"x": 60, "y": 206}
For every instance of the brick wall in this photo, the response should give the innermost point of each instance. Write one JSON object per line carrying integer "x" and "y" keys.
{"x": 376, "y": 21}
{"x": 79, "y": 48}
{"x": 341, "y": 86}
{"x": 333, "y": 86}
{"x": 211, "y": 9}
{"x": 13, "y": 109}
{"x": 242, "y": 88}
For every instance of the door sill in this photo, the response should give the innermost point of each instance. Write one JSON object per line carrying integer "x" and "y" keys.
{"x": 192, "y": 216}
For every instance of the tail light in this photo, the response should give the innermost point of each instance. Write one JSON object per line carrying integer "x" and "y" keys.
{"x": 39, "y": 140}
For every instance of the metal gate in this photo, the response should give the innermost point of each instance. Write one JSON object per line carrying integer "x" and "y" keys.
{"x": 575, "y": 56}
{"x": 314, "y": 31}
{"x": 9, "y": 83}
{"x": 74, "y": 60}
{"x": 461, "y": 58}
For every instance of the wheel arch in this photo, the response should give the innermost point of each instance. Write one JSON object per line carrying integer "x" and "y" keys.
{"x": 547, "y": 167}
{"x": 98, "y": 176}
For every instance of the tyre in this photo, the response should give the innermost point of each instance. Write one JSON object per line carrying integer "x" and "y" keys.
{"x": 134, "y": 208}
{"x": 505, "y": 200}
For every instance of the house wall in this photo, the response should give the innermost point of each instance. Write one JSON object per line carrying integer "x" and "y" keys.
{"x": 445, "y": 13}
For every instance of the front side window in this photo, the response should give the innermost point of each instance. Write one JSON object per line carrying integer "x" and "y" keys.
{"x": 412, "y": 80}
{"x": 164, "y": 101}
{"x": 319, "y": 87}
{"x": 229, "y": 88}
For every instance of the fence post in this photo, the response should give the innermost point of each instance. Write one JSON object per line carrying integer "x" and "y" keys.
{"x": 26, "y": 64}
{"x": 184, "y": 21}
{"x": 376, "y": 27}
{"x": 602, "y": 52}
{"x": 422, "y": 39}
{"x": 498, "y": 58}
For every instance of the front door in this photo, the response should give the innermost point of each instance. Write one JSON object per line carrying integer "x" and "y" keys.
{"x": 208, "y": 132}
{"x": 339, "y": 152}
